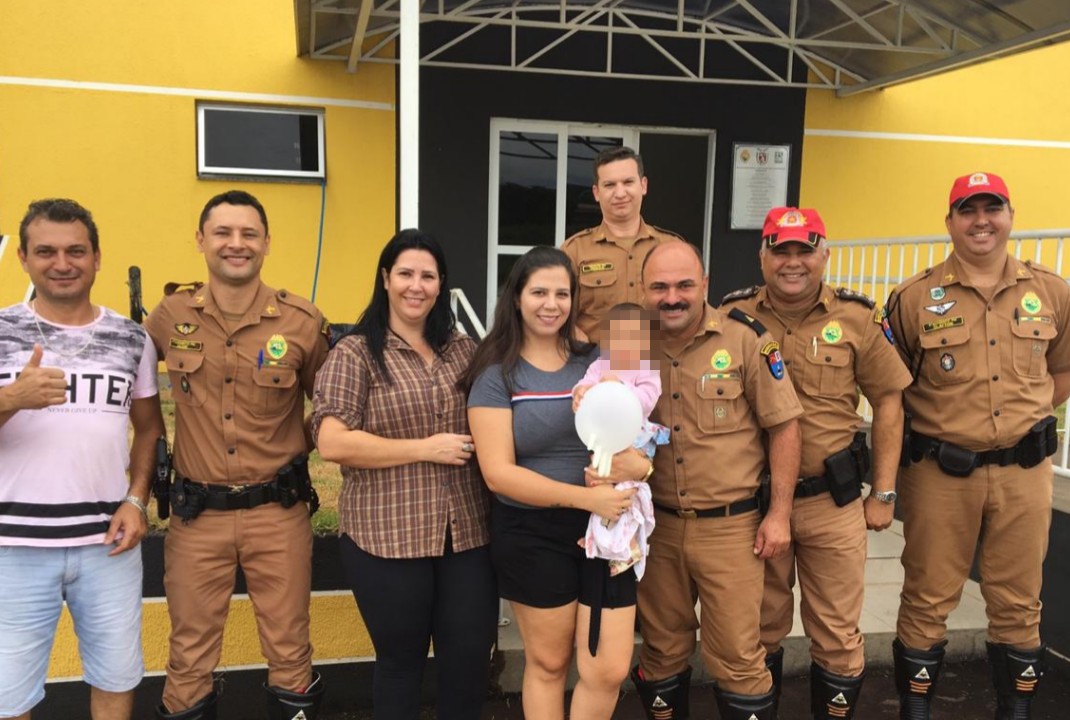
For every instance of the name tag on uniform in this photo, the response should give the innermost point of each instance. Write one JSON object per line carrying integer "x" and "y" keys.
{"x": 179, "y": 344}
{"x": 595, "y": 267}
{"x": 943, "y": 324}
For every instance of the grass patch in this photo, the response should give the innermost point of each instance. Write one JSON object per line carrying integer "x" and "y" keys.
{"x": 326, "y": 477}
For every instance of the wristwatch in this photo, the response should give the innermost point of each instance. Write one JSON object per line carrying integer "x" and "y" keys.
{"x": 885, "y": 496}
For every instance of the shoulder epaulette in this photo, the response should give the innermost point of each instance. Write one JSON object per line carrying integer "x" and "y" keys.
{"x": 1037, "y": 267}
{"x": 848, "y": 294}
{"x": 172, "y": 287}
{"x": 297, "y": 301}
{"x": 752, "y": 323}
{"x": 663, "y": 231}
{"x": 924, "y": 274}
{"x": 581, "y": 233}
{"x": 741, "y": 294}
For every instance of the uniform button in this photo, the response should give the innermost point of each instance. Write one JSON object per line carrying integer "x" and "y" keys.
{"x": 679, "y": 461}
{"x": 683, "y": 492}
{"x": 182, "y": 364}
{"x": 943, "y": 341}
{"x": 990, "y": 308}
{"x": 676, "y": 363}
{"x": 231, "y": 451}
{"x": 676, "y": 428}
{"x": 996, "y": 413}
{"x": 828, "y": 358}
{"x": 676, "y": 396}
{"x": 230, "y": 343}
{"x": 631, "y": 283}
{"x": 275, "y": 380}
{"x": 789, "y": 332}
{"x": 282, "y": 293}
{"x": 227, "y": 416}
{"x": 991, "y": 342}
{"x": 631, "y": 257}
{"x": 597, "y": 282}
{"x": 720, "y": 391}
{"x": 1036, "y": 332}
{"x": 995, "y": 378}
{"x": 229, "y": 380}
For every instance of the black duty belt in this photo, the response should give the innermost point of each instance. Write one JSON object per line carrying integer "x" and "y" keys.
{"x": 234, "y": 497}
{"x": 736, "y": 508}
{"x": 812, "y": 486}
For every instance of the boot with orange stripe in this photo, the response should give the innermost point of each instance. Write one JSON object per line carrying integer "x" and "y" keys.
{"x": 1016, "y": 674}
{"x": 916, "y": 673}
{"x": 833, "y": 697}
{"x": 667, "y": 699}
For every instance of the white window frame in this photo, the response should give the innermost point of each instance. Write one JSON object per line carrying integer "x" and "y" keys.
{"x": 631, "y": 136}
{"x": 207, "y": 171}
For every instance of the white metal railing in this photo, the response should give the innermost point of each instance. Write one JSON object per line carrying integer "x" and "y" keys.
{"x": 458, "y": 300}
{"x": 876, "y": 266}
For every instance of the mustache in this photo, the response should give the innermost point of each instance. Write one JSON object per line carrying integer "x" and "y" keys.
{"x": 666, "y": 307}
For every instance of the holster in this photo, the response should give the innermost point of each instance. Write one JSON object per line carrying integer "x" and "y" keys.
{"x": 161, "y": 485}
{"x": 1041, "y": 441}
{"x": 186, "y": 502}
{"x": 845, "y": 471}
{"x": 764, "y": 494}
{"x": 295, "y": 485}
{"x": 906, "y": 452}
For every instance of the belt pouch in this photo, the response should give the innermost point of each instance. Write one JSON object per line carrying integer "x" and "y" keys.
{"x": 955, "y": 461}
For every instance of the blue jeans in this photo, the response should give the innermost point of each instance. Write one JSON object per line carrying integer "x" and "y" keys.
{"x": 103, "y": 595}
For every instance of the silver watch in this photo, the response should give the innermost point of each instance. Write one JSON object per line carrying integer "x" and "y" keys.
{"x": 885, "y": 496}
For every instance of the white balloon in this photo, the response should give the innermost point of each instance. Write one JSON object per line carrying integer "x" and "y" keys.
{"x": 608, "y": 420}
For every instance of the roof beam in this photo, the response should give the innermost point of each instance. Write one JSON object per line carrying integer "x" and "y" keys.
{"x": 359, "y": 34}
{"x": 861, "y": 21}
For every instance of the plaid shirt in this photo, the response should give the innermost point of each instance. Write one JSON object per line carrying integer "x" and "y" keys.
{"x": 404, "y": 511}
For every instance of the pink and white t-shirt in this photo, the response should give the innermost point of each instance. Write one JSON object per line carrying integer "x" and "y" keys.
{"x": 63, "y": 468}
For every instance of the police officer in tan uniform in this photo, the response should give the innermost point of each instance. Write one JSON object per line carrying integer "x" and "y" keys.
{"x": 833, "y": 344}
{"x": 241, "y": 358}
{"x": 607, "y": 258}
{"x": 987, "y": 338}
{"x": 724, "y": 395}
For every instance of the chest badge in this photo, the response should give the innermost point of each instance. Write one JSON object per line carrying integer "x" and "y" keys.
{"x": 186, "y": 328}
{"x": 942, "y": 308}
{"x": 721, "y": 360}
{"x": 771, "y": 351}
{"x": 276, "y": 347}
{"x": 1031, "y": 303}
{"x": 947, "y": 362}
{"x": 832, "y": 333}
{"x": 937, "y": 293}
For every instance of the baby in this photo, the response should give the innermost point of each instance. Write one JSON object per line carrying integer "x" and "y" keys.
{"x": 626, "y": 357}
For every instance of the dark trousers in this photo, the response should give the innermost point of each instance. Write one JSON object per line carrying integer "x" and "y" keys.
{"x": 451, "y": 600}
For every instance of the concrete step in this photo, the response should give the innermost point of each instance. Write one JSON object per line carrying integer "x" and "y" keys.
{"x": 884, "y": 580}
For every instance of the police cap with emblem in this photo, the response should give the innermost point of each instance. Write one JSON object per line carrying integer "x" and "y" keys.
{"x": 789, "y": 224}
{"x": 978, "y": 183}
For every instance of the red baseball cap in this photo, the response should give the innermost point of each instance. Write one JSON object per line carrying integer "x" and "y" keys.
{"x": 978, "y": 183}
{"x": 788, "y": 224}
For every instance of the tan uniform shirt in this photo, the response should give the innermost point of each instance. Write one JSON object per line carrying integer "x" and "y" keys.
{"x": 609, "y": 272}
{"x": 718, "y": 393}
{"x": 238, "y": 386}
{"x": 982, "y": 368}
{"x": 833, "y": 350}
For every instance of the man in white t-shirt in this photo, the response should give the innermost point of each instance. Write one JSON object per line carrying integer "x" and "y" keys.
{"x": 73, "y": 377}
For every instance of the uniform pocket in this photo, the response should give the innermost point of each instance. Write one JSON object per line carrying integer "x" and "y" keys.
{"x": 721, "y": 406}
{"x": 1031, "y": 339}
{"x": 599, "y": 289}
{"x": 273, "y": 390}
{"x": 829, "y": 372}
{"x": 189, "y": 385}
{"x": 948, "y": 359}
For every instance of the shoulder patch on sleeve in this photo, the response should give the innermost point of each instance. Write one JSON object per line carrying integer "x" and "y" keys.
{"x": 287, "y": 297}
{"x": 880, "y": 317}
{"x": 848, "y": 294}
{"x": 752, "y": 323}
{"x": 773, "y": 359}
{"x": 741, "y": 294}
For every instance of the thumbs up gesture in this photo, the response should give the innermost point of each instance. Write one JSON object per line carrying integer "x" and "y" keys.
{"x": 38, "y": 387}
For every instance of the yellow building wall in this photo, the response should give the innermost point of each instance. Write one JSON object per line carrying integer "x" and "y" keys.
{"x": 983, "y": 117}
{"x": 119, "y": 136}
{"x": 130, "y": 155}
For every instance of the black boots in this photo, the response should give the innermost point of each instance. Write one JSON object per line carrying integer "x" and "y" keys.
{"x": 203, "y": 710}
{"x": 916, "y": 673}
{"x": 774, "y": 663}
{"x": 287, "y": 705}
{"x": 833, "y": 697}
{"x": 1015, "y": 674}
{"x": 745, "y": 707}
{"x": 667, "y": 699}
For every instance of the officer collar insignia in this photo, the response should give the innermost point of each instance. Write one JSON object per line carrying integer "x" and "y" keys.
{"x": 948, "y": 278}
{"x": 186, "y": 328}
{"x": 271, "y": 310}
{"x": 832, "y": 333}
{"x": 180, "y": 344}
{"x": 595, "y": 267}
{"x": 1031, "y": 303}
{"x": 943, "y": 324}
{"x": 937, "y": 293}
{"x": 940, "y": 309}
{"x": 277, "y": 347}
{"x": 199, "y": 299}
{"x": 771, "y": 351}
{"x": 1022, "y": 272}
{"x": 721, "y": 360}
